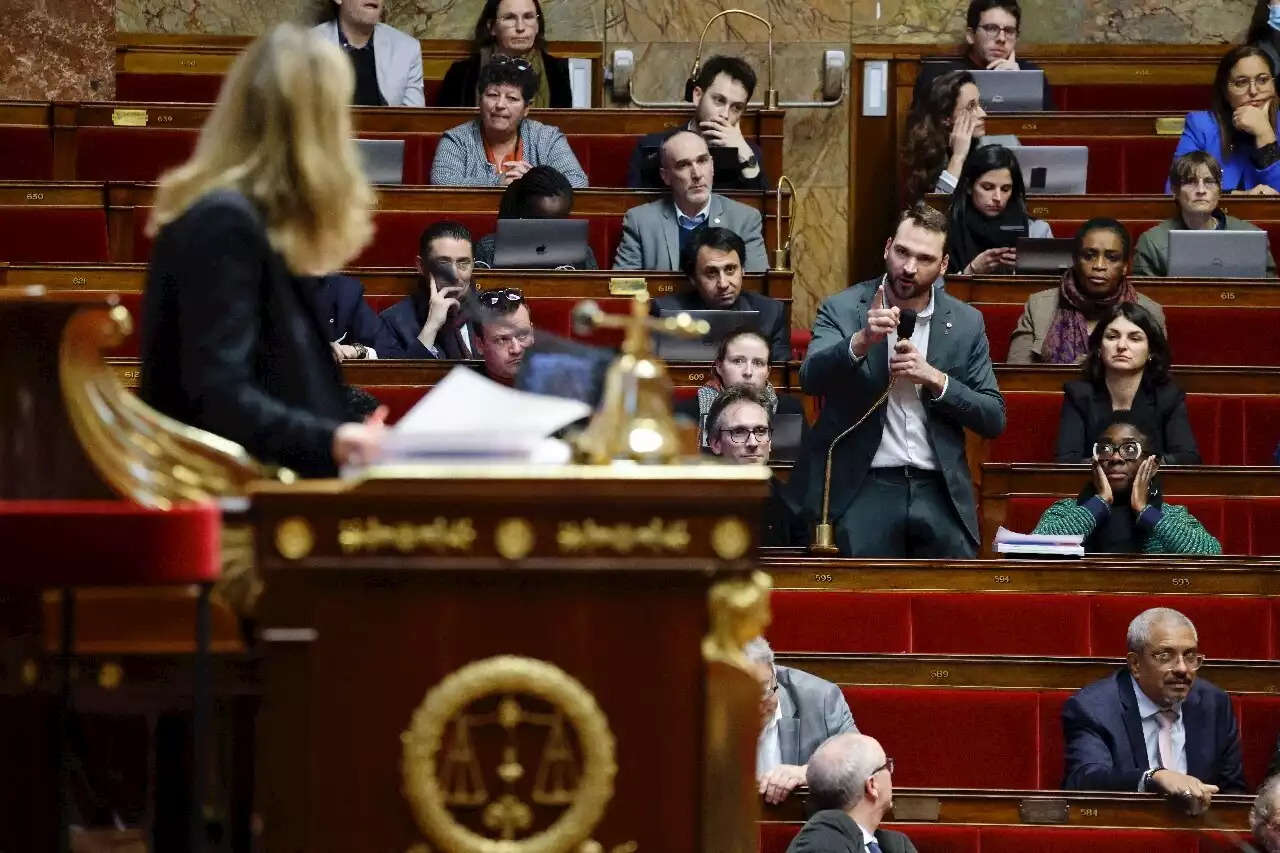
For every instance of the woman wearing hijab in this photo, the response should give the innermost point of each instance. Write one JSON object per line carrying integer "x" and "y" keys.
{"x": 1121, "y": 509}
{"x": 1055, "y": 324}
{"x": 989, "y": 213}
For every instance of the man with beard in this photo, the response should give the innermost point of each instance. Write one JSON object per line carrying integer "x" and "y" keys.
{"x": 900, "y": 483}
{"x": 1153, "y": 726}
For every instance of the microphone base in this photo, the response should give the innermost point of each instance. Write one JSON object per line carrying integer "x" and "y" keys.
{"x": 824, "y": 544}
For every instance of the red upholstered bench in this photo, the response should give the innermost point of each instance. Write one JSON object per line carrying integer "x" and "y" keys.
{"x": 1126, "y": 97}
{"x": 130, "y": 154}
{"x": 28, "y": 154}
{"x": 53, "y": 234}
{"x": 168, "y": 88}
{"x": 1121, "y": 165}
{"x": 927, "y": 838}
{"x": 941, "y": 838}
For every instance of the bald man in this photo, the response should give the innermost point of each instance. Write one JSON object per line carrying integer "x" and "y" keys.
{"x": 851, "y": 783}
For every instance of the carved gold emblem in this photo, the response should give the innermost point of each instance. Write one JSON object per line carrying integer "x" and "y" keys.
{"x": 739, "y": 610}
{"x": 730, "y": 539}
{"x": 294, "y": 538}
{"x": 500, "y": 712}
{"x": 622, "y": 538}
{"x": 514, "y": 538}
{"x": 370, "y": 534}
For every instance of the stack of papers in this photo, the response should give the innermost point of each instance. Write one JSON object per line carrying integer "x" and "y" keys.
{"x": 468, "y": 417}
{"x": 1008, "y": 542}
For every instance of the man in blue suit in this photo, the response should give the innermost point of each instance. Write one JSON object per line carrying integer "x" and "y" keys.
{"x": 355, "y": 331}
{"x": 1153, "y": 726}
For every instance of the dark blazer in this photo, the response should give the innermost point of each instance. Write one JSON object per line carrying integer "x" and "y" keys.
{"x": 404, "y": 321}
{"x": 1160, "y": 409}
{"x": 232, "y": 342}
{"x": 932, "y": 69}
{"x": 350, "y": 319}
{"x": 642, "y": 171}
{"x": 813, "y": 709}
{"x": 1105, "y": 749}
{"x": 458, "y": 88}
{"x": 773, "y": 317}
{"x": 957, "y": 347}
{"x": 833, "y": 831}
{"x": 780, "y": 526}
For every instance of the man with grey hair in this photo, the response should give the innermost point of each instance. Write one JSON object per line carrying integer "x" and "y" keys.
{"x": 851, "y": 783}
{"x": 1153, "y": 726}
{"x": 798, "y": 711}
{"x": 1264, "y": 817}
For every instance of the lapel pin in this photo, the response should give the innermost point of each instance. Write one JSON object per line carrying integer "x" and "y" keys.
{"x": 717, "y": 220}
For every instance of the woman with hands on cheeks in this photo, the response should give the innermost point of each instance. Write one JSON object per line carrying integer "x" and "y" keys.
{"x": 1121, "y": 510}
{"x": 1240, "y": 129}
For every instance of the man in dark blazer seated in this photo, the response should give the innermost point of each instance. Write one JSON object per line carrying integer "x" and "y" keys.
{"x": 851, "y": 784}
{"x": 429, "y": 323}
{"x": 712, "y": 263}
{"x": 1154, "y": 726}
{"x": 355, "y": 332}
{"x": 900, "y": 484}
{"x": 798, "y": 712}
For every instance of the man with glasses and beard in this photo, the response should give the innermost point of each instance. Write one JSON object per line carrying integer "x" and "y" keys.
{"x": 798, "y": 712}
{"x": 1153, "y": 726}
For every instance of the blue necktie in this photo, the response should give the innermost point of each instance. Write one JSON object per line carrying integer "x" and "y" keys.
{"x": 873, "y": 847}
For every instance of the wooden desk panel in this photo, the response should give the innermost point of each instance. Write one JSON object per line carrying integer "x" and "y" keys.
{"x": 1198, "y": 293}
{"x": 25, "y": 113}
{"x": 50, "y": 194}
{"x": 1005, "y": 480}
{"x": 1104, "y": 125}
{"x": 1191, "y": 379}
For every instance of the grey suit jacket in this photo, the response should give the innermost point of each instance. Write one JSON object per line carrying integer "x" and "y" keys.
{"x": 399, "y": 59}
{"x": 1027, "y": 339}
{"x": 813, "y": 710}
{"x": 957, "y": 347}
{"x": 651, "y": 234}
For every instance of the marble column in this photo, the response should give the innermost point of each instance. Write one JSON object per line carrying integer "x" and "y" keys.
{"x": 58, "y": 49}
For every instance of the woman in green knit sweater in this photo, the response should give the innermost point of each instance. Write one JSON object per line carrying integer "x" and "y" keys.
{"x": 1122, "y": 511}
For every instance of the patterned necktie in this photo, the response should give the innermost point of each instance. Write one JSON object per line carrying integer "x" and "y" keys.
{"x": 1165, "y": 738}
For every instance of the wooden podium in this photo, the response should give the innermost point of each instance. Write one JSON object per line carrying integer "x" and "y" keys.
{"x": 511, "y": 659}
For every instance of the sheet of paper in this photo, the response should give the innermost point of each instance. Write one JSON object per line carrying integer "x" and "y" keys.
{"x": 1006, "y": 536}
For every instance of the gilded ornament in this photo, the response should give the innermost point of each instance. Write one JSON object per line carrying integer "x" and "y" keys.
{"x": 110, "y": 675}
{"x": 435, "y": 786}
{"x": 623, "y": 538}
{"x": 739, "y": 610}
{"x": 730, "y": 538}
{"x": 514, "y": 538}
{"x": 371, "y": 535}
{"x": 294, "y": 538}
{"x": 30, "y": 672}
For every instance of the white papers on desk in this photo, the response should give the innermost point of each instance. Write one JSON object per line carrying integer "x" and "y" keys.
{"x": 468, "y": 416}
{"x": 1008, "y": 542}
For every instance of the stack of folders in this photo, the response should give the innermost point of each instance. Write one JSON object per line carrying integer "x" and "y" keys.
{"x": 1029, "y": 544}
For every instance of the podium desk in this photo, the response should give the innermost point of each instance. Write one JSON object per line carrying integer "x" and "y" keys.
{"x": 457, "y": 656}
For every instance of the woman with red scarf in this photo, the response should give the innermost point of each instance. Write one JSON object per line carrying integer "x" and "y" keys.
{"x": 1055, "y": 325}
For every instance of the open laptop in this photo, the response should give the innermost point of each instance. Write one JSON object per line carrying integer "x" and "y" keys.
{"x": 1053, "y": 169}
{"x": 703, "y": 349}
{"x": 1010, "y": 91}
{"x": 382, "y": 160}
{"x": 540, "y": 244}
{"x": 1217, "y": 254}
{"x": 1043, "y": 255}
{"x": 559, "y": 367}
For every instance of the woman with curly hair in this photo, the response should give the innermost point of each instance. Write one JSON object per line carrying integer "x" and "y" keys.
{"x": 941, "y": 129}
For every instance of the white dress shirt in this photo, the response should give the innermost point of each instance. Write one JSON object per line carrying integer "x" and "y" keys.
{"x": 693, "y": 221}
{"x": 867, "y": 838}
{"x": 769, "y": 747}
{"x": 1151, "y": 734}
{"x": 905, "y": 440}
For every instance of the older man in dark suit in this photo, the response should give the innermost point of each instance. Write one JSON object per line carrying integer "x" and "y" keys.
{"x": 1154, "y": 726}
{"x": 896, "y": 410}
{"x": 851, "y": 784}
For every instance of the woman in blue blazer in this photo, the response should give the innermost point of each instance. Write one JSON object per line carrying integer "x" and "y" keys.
{"x": 1240, "y": 130}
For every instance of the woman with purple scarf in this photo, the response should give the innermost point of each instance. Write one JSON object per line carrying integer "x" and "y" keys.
{"x": 1055, "y": 325}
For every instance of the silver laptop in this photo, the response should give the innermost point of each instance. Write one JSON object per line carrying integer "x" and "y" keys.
{"x": 1217, "y": 254}
{"x": 1044, "y": 255}
{"x": 541, "y": 244}
{"x": 1010, "y": 91}
{"x": 382, "y": 160}
{"x": 1053, "y": 169}
{"x": 704, "y": 348}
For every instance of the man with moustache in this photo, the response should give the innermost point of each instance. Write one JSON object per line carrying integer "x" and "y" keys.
{"x": 1153, "y": 726}
{"x": 900, "y": 483}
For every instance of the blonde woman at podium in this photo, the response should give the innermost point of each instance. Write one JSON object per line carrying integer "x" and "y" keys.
{"x": 272, "y": 200}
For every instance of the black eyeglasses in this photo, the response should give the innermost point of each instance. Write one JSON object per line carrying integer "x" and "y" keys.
{"x": 517, "y": 62}
{"x": 993, "y": 30}
{"x": 738, "y": 435}
{"x": 500, "y": 296}
{"x": 888, "y": 765}
{"x": 1128, "y": 450}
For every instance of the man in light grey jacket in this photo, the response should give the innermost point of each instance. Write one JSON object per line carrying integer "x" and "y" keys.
{"x": 655, "y": 235}
{"x": 798, "y": 713}
{"x": 393, "y": 56}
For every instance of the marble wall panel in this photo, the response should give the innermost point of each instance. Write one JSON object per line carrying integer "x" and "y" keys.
{"x": 1165, "y": 21}
{"x": 58, "y": 49}
{"x": 819, "y": 249}
{"x": 684, "y": 20}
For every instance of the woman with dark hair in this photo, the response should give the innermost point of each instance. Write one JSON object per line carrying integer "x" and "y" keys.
{"x": 1055, "y": 325}
{"x": 1264, "y": 29}
{"x": 516, "y": 29}
{"x": 501, "y": 144}
{"x": 1121, "y": 510}
{"x": 1240, "y": 130}
{"x": 941, "y": 129}
{"x": 543, "y": 193}
{"x": 989, "y": 213}
{"x": 741, "y": 359}
{"x": 1127, "y": 371}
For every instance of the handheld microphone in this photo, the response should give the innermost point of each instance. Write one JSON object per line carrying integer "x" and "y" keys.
{"x": 823, "y": 535}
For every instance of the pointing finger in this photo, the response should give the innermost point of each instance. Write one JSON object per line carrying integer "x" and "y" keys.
{"x": 878, "y": 302}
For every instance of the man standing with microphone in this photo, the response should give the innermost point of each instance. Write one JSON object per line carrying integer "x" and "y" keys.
{"x": 885, "y": 468}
